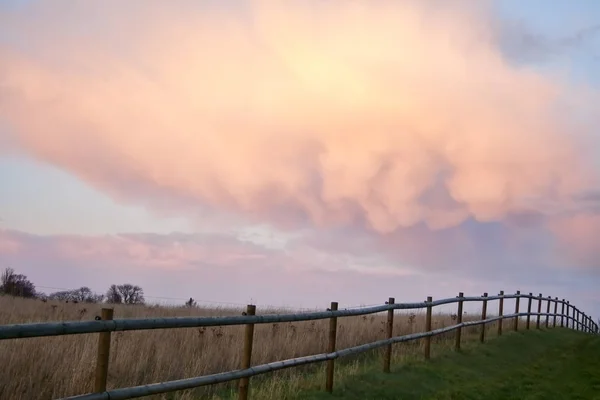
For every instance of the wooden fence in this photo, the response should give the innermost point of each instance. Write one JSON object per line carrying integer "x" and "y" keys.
{"x": 569, "y": 317}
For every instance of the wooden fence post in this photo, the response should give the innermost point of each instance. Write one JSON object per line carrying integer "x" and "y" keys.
{"x": 247, "y": 354}
{"x": 576, "y": 316}
{"x": 459, "y": 316}
{"x": 483, "y": 317}
{"x": 331, "y": 348}
{"x": 387, "y": 357}
{"x": 103, "y": 354}
{"x": 568, "y": 316}
{"x": 529, "y": 309}
{"x": 500, "y": 312}
{"x": 562, "y": 314}
{"x": 517, "y": 310}
{"x": 537, "y": 323}
{"x": 548, "y": 311}
{"x": 428, "y": 328}
{"x": 587, "y": 323}
{"x": 555, "y": 311}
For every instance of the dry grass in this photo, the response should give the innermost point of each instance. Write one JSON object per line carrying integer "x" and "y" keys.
{"x": 53, "y": 367}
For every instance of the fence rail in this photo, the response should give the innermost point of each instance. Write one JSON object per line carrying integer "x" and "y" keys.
{"x": 573, "y": 317}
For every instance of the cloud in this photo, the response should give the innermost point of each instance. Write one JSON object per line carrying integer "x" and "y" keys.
{"x": 301, "y": 113}
{"x": 577, "y": 236}
{"x": 523, "y": 44}
{"x": 395, "y": 135}
{"x": 212, "y": 267}
{"x": 221, "y": 268}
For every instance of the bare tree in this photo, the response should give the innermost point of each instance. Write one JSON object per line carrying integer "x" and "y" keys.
{"x": 82, "y": 295}
{"x": 126, "y": 294}
{"x": 16, "y": 284}
{"x": 113, "y": 296}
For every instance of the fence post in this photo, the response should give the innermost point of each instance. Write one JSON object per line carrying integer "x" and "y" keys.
{"x": 331, "y": 349}
{"x": 428, "y": 328}
{"x": 517, "y": 310}
{"x": 562, "y": 314}
{"x": 548, "y": 311}
{"x": 459, "y": 316}
{"x": 103, "y": 354}
{"x": 500, "y": 313}
{"x": 483, "y": 317}
{"x": 555, "y": 311}
{"x": 537, "y": 323}
{"x": 587, "y": 323}
{"x": 576, "y": 319}
{"x": 529, "y": 309}
{"x": 247, "y": 354}
{"x": 387, "y": 357}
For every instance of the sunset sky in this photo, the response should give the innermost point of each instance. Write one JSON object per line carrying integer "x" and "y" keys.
{"x": 301, "y": 152}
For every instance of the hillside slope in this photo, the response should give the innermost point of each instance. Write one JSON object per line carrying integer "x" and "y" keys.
{"x": 554, "y": 364}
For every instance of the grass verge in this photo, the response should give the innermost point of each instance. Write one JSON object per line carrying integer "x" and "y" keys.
{"x": 553, "y": 364}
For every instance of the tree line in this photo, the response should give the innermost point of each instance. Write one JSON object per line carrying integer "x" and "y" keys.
{"x": 14, "y": 284}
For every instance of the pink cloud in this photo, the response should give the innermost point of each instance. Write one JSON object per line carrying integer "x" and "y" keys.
{"x": 578, "y": 238}
{"x": 394, "y": 139}
{"x": 209, "y": 267}
{"x": 393, "y": 114}
{"x": 222, "y": 268}
{"x": 141, "y": 250}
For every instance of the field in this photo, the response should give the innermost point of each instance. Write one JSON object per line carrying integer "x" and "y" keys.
{"x": 46, "y": 368}
{"x": 557, "y": 364}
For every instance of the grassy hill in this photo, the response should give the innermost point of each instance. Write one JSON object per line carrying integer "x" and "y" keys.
{"x": 554, "y": 364}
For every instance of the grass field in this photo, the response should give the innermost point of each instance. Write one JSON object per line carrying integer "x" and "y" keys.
{"x": 555, "y": 364}
{"x": 53, "y": 367}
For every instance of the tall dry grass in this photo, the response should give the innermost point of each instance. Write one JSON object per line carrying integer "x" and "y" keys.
{"x": 54, "y": 367}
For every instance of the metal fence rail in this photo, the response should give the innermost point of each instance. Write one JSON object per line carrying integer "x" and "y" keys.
{"x": 572, "y": 317}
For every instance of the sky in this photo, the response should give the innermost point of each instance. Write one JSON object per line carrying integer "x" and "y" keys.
{"x": 300, "y": 153}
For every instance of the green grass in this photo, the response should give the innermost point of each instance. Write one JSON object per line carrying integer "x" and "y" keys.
{"x": 551, "y": 364}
